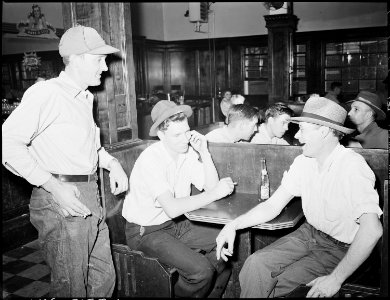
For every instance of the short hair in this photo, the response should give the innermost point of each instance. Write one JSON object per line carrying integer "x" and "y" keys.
{"x": 277, "y": 110}
{"x": 179, "y": 117}
{"x": 241, "y": 112}
{"x": 237, "y": 97}
{"x": 335, "y": 84}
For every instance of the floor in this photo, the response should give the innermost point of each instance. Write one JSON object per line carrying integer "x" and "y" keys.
{"x": 25, "y": 274}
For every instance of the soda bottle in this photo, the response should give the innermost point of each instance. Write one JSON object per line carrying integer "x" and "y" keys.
{"x": 264, "y": 183}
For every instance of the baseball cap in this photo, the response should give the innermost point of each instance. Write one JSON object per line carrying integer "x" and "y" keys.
{"x": 80, "y": 40}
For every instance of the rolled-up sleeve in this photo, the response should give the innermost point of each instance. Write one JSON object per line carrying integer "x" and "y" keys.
{"x": 361, "y": 189}
{"x": 30, "y": 118}
{"x": 292, "y": 179}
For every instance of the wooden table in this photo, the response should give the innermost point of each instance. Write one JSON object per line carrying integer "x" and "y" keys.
{"x": 225, "y": 210}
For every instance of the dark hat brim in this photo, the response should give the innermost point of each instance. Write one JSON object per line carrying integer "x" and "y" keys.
{"x": 186, "y": 109}
{"x": 380, "y": 114}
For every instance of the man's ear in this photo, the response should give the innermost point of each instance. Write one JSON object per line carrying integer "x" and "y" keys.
{"x": 160, "y": 134}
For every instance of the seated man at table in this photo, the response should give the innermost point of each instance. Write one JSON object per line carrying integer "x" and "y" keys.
{"x": 241, "y": 124}
{"x": 160, "y": 193}
{"x": 277, "y": 118}
{"x": 365, "y": 111}
{"x": 339, "y": 202}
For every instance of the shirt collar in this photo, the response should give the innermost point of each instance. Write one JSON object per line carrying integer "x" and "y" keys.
{"x": 369, "y": 128}
{"x": 227, "y": 134}
{"x": 169, "y": 159}
{"x": 263, "y": 130}
{"x": 337, "y": 151}
{"x": 73, "y": 88}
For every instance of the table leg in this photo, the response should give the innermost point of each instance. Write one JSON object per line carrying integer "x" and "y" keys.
{"x": 242, "y": 249}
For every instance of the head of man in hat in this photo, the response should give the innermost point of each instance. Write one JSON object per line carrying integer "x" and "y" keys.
{"x": 321, "y": 126}
{"x": 170, "y": 124}
{"x": 84, "y": 52}
{"x": 365, "y": 109}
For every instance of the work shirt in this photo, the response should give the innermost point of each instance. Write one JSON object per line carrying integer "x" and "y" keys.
{"x": 220, "y": 135}
{"x": 332, "y": 97}
{"x": 53, "y": 131}
{"x": 373, "y": 137}
{"x": 262, "y": 137}
{"x": 334, "y": 198}
{"x": 154, "y": 173}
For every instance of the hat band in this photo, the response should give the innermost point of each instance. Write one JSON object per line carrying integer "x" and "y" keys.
{"x": 318, "y": 117}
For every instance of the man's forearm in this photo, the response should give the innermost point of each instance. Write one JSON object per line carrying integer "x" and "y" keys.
{"x": 360, "y": 249}
{"x": 210, "y": 172}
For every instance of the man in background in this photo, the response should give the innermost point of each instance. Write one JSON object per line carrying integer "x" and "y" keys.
{"x": 241, "y": 121}
{"x": 277, "y": 119}
{"x": 335, "y": 91}
{"x": 365, "y": 111}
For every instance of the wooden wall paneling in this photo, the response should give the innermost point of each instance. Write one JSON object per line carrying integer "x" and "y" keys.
{"x": 117, "y": 116}
{"x": 177, "y": 69}
{"x": 205, "y": 73}
{"x": 140, "y": 67}
{"x": 155, "y": 69}
{"x": 191, "y": 81}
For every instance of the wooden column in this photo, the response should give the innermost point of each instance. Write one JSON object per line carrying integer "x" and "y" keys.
{"x": 116, "y": 99}
{"x": 280, "y": 32}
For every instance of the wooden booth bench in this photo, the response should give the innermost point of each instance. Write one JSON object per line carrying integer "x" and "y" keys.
{"x": 242, "y": 163}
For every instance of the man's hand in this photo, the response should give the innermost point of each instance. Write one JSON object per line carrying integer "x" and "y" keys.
{"x": 223, "y": 188}
{"x": 118, "y": 179}
{"x": 325, "y": 286}
{"x": 198, "y": 141}
{"x": 66, "y": 196}
{"x": 227, "y": 235}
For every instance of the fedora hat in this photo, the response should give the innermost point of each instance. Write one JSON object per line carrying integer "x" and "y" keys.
{"x": 373, "y": 101}
{"x": 165, "y": 109}
{"x": 324, "y": 112}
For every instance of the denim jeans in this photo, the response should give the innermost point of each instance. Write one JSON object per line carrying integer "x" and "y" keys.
{"x": 77, "y": 250}
{"x": 180, "y": 243}
{"x": 294, "y": 259}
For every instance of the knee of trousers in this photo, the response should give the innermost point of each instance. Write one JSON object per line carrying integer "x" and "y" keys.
{"x": 204, "y": 272}
{"x": 256, "y": 262}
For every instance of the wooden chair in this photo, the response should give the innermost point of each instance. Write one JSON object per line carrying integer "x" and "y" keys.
{"x": 141, "y": 276}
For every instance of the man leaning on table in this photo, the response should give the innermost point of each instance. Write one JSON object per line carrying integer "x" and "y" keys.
{"x": 340, "y": 205}
{"x": 52, "y": 141}
{"x": 160, "y": 194}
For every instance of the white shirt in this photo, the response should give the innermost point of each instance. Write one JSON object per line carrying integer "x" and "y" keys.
{"x": 53, "y": 131}
{"x": 154, "y": 173}
{"x": 220, "y": 135}
{"x": 262, "y": 137}
{"x": 334, "y": 199}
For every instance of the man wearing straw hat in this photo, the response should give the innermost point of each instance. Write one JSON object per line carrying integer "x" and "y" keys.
{"x": 160, "y": 193}
{"x": 52, "y": 141}
{"x": 339, "y": 202}
{"x": 365, "y": 110}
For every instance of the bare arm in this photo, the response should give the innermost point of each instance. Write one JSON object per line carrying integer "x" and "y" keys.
{"x": 175, "y": 207}
{"x": 370, "y": 231}
{"x": 261, "y": 213}
{"x": 199, "y": 143}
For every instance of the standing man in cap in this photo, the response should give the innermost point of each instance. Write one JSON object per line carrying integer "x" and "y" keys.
{"x": 342, "y": 216}
{"x": 160, "y": 193}
{"x": 52, "y": 141}
{"x": 365, "y": 110}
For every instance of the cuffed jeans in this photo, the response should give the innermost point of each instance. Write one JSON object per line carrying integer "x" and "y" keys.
{"x": 77, "y": 250}
{"x": 177, "y": 244}
{"x": 294, "y": 259}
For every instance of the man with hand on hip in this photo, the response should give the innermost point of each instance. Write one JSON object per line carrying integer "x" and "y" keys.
{"x": 52, "y": 141}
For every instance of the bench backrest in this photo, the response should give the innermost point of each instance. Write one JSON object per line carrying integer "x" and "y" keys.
{"x": 240, "y": 161}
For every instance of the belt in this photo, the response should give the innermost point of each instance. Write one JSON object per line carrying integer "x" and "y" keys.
{"x": 76, "y": 178}
{"x": 337, "y": 242}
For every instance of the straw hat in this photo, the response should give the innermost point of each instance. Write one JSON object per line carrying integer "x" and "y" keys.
{"x": 165, "y": 109}
{"x": 324, "y": 112}
{"x": 373, "y": 101}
